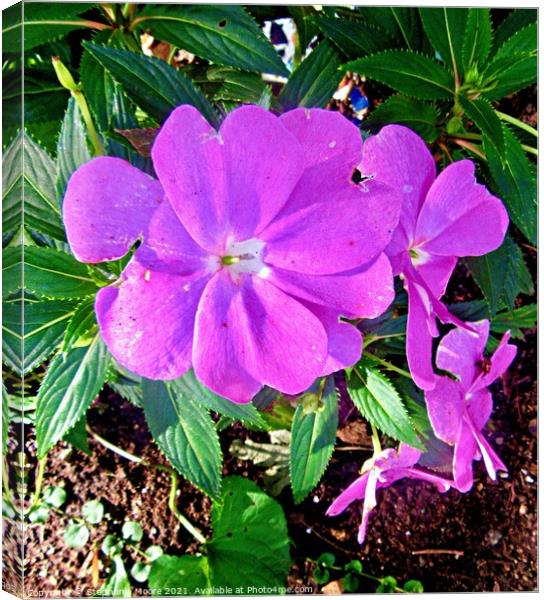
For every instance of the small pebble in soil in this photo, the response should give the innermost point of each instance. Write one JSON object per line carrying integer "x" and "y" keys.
{"x": 529, "y": 479}
{"x": 408, "y": 533}
{"x": 499, "y": 441}
{"x": 494, "y": 537}
{"x": 523, "y": 509}
{"x": 316, "y": 499}
{"x": 308, "y": 530}
{"x": 503, "y": 475}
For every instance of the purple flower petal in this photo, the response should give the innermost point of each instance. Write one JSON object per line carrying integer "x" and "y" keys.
{"x": 331, "y": 237}
{"x": 445, "y": 407}
{"x": 499, "y": 362}
{"x": 479, "y": 407}
{"x": 442, "y": 484}
{"x": 491, "y": 460}
{"x": 460, "y": 350}
{"x": 147, "y": 321}
{"x": 188, "y": 158}
{"x": 332, "y": 149}
{"x": 345, "y": 341}
{"x": 107, "y": 207}
{"x": 419, "y": 340}
{"x": 264, "y": 162}
{"x": 355, "y": 491}
{"x": 369, "y": 503}
{"x": 463, "y": 455}
{"x": 436, "y": 273}
{"x": 168, "y": 247}
{"x": 364, "y": 292}
{"x": 459, "y": 216}
{"x": 407, "y": 456}
{"x": 253, "y": 325}
{"x": 399, "y": 157}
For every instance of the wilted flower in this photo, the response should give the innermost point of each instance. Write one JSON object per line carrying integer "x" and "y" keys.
{"x": 459, "y": 410}
{"x": 254, "y": 240}
{"x": 379, "y": 472}
{"x": 442, "y": 218}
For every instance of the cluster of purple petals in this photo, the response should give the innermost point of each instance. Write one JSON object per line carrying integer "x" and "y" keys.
{"x": 442, "y": 218}
{"x": 255, "y": 242}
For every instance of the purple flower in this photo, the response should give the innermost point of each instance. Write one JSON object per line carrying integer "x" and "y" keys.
{"x": 442, "y": 218}
{"x": 459, "y": 410}
{"x": 254, "y": 241}
{"x": 380, "y": 472}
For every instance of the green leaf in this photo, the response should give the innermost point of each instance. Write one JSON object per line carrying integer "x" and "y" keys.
{"x": 379, "y": 402}
{"x": 509, "y": 74}
{"x": 350, "y": 582}
{"x": 112, "y": 545}
{"x": 445, "y": 28}
{"x": 184, "y": 431}
{"x": 477, "y": 38}
{"x": 70, "y": 385}
{"x": 406, "y": 72}
{"x": 179, "y": 575}
{"x": 140, "y": 572}
{"x": 27, "y": 343}
{"x": 29, "y": 174}
{"x": 413, "y": 586}
{"x": 523, "y": 41}
{"x": 487, "y": 121}
{"x": 76, "y": 535}
{"x": 77, "y": 436}
{"x": 249, "y": 529}
{"x": 313, "y": 83}
{"x": 400, "y": 23}
{"x": 42, "y": 22}
{"x": 236, "y": 85}
{"x": 12, "y": 274}
{"x": 501, "y": 275}
{"x": 514, "y": 22}
{"x": 515, "y": 180}
{"x": 151, "y": 83}
{"x": 132, "y": 531}
{"x": 54, "y": 274}
{"x": 5, "y": 420}
{"x": 154, "y": 552}
{"x": 82, "y": 321}
{"x": 224, "y": 34}
{"x": 54, "y": 495}
{"x": 117, "y": 584}
{"x": 313, "y": 436}
{"x": 387, "y": 585}
{"x": 354, "y": 38}
{"x": 39, "y": 514}
{"x": 189, "y": 386}
{"x": 72, "y": 149}
{"x": 305, "y": 24}
{"x": 93, "y": 511}
{"x": 419, "y": 116}
{"x": 520, "y": 318}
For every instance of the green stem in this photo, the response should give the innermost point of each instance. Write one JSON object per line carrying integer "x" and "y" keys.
{"x": 376, "y": 440}
{"x": 86, "y": 114}
{"x": 370, "y": 339}
{"x": 196, "y": 533}
{"x": 389, "y": 366}
{"x": 530, "y": 149}
{"x": 38, "y": 483}
{"x": 179, "y": 516}
{"x": 517, "y": 123}
{"x": 471, "y": 147}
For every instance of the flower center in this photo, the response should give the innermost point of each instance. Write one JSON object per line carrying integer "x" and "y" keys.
{"x": 418, "y": 256}
{"x": 245, "y": 257}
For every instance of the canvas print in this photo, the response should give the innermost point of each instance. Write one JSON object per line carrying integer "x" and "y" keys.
{"x": 269, "y": 308}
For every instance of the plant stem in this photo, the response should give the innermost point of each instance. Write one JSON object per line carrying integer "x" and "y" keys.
{"x": 196, "y": 533}
{"x": 38, "y": 483}
{"x": 86, "y": 114}
{"x": 376, "y": 440}
{"x": 179, "y": 516}
{"x": 471, "y": 147}
{"x": 389, "y": 366}
{"x": 530, "y": 149}
{"x": 370, "y": 339}
{"x": 517, "y": 123}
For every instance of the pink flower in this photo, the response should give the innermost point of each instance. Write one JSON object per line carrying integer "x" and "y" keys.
{"x": 254, "y": 240}
{"x": 380, "y": 472}
{"x": 442, "y": 218}
{"x": 459, "y": 410}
